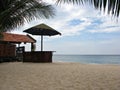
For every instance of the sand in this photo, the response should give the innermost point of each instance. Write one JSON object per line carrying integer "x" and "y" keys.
{"x": 58, "y": 76}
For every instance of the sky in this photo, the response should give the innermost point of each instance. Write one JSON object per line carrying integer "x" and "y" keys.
{"x": 84, "y": 29}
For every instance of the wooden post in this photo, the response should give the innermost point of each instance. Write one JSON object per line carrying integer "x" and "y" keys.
{"x": 41, "y": 42}
{"x": 31, "y": 46}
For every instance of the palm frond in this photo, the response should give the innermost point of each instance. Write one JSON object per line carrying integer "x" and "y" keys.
{"x": 14, "y": 13}
{"x": 113, "y": 6}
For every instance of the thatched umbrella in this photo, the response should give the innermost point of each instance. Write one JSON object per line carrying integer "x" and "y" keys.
{"x": 43, "y": 30}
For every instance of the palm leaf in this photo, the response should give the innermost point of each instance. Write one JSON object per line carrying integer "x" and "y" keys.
{"x": 14, "y": 13}
{"x": 113, "y": 6}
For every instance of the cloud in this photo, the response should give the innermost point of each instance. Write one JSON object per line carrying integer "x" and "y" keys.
{"x": 104, "y": 24}
{"x": 72, "y": 19}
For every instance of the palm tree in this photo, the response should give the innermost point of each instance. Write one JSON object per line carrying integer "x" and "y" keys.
{"x": 14, "y": 13}
{"x": 113, "y": 6}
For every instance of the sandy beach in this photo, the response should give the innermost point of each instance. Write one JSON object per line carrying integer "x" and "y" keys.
{"x": 58, "y": 76}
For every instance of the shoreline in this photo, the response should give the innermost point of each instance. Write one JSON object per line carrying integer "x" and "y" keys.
{"x": 58, "y": 76}
{"x": 83, "y": 63}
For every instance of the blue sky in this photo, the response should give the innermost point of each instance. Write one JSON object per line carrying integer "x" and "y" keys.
{"x": 84, "y": 31}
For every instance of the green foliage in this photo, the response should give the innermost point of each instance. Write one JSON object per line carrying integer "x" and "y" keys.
{"x": 14, "y": 13}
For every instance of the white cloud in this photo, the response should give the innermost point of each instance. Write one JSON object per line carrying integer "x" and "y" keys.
{"x": 107, "y": 25}
{"x": 68, "y": 12}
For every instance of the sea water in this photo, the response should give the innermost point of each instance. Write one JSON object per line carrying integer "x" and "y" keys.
{"x": 88, "y": 59}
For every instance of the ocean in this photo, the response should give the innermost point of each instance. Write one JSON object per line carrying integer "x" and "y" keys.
{"x": 88, "y": 59}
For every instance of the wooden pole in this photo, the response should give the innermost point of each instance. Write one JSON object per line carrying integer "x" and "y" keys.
{"x": 41, "y": 42}
{"x": 31, "y": 46}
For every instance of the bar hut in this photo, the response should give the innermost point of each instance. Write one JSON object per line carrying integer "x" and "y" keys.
{"x": 40, "y": 56}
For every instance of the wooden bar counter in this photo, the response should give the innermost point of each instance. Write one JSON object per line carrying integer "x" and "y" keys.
{"x": 38, "y": 56}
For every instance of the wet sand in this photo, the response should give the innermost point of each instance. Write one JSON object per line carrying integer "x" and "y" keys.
{"x": 58, "y": 76}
